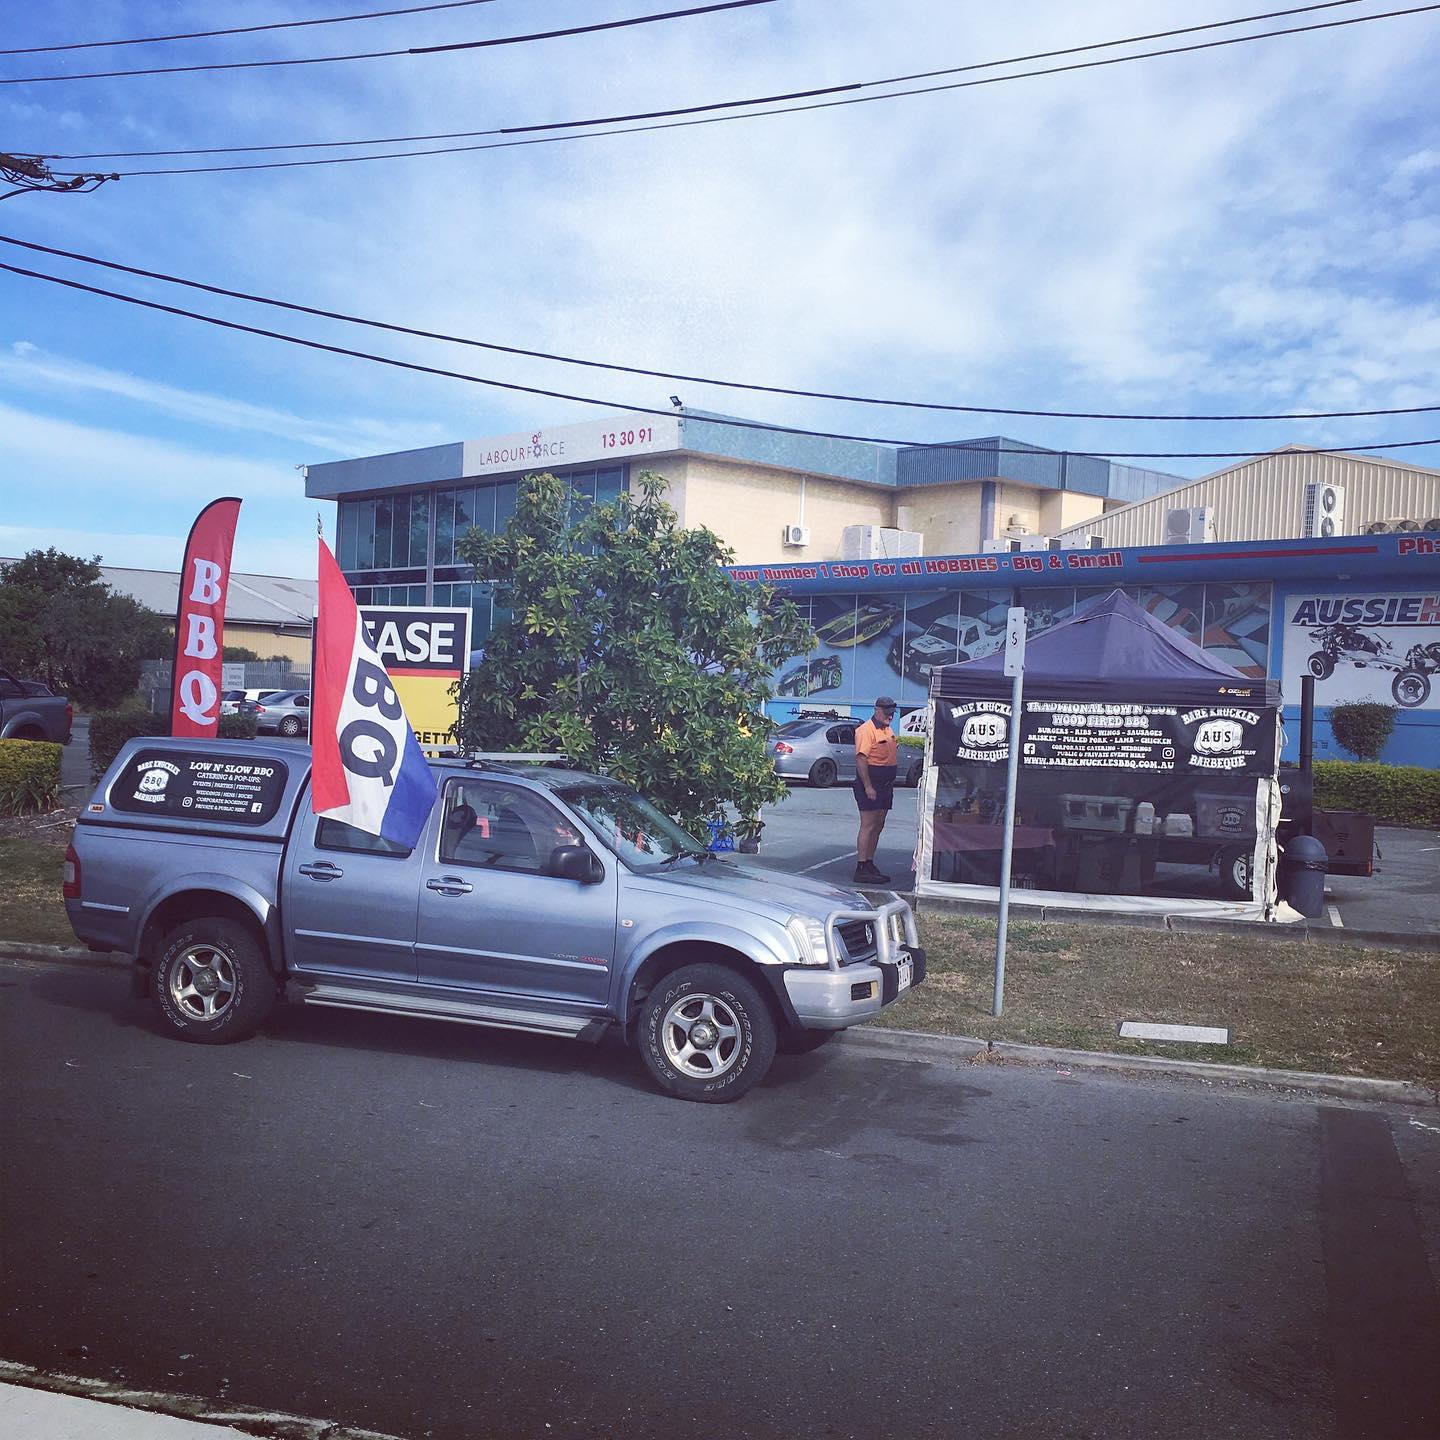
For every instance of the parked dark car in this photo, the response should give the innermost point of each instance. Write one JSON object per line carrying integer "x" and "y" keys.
{"x": 28, "y": 711}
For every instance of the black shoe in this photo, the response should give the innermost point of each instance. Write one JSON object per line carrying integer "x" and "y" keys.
{"x": 866, "y": 873}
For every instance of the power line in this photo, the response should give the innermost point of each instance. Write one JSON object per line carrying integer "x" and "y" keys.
{"x": 727, "y": 421}
{"x": 783, "y": 110}
{"x": 243, "y": 29}
{"x": 387, "y": 54}
{"x": 494, "y": 346}
{"x": 695, "y": 109}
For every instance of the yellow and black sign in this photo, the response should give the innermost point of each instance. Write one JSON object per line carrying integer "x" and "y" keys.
{"x": 426, "y": 649}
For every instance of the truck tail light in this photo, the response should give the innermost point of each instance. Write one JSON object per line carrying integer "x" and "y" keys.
{"x": 69, "y": 717}
{"x": 71, "y": 887}
{"x": 781, "y": 748}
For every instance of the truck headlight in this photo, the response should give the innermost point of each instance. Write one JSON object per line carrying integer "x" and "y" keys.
{"x": 808, "y": 933}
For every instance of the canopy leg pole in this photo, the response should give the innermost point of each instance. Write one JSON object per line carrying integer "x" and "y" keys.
{"x": 1008, "y": 842}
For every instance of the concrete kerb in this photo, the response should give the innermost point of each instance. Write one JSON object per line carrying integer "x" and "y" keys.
{"x": 964, "y": 1048}
{"x": 1186, "y": 924}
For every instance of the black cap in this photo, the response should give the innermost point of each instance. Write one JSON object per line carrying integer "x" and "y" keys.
{"x": 884, "y": 703}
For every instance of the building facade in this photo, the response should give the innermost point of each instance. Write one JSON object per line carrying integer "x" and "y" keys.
{"x": 762, "y": 491}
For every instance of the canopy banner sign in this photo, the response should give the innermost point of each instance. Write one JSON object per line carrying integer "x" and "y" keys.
{"x": 426, "y": 650}
{"x": 1381, "y": 646}
{"x": 200, "y": 622}
{"x": 1110, "y": 735}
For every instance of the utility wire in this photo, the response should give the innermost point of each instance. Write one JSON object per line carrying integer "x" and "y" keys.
{"x": 243, "y": 29}
{"x": 782, "y": 110}
{"x": 696, "y": 109}
{"x": 387, "y": 54}
{"x": 727, "y": 421}
{"x": 680, "y": 376}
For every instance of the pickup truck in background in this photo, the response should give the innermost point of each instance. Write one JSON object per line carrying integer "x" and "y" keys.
{"x": 28, "y": 715}
{"x": 537, "y": 899}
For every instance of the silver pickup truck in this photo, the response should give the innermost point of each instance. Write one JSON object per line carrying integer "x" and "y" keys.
{"x": 537, "y": 899}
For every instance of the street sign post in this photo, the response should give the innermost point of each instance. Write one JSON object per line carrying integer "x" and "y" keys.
{"x": 1014, "y": 667}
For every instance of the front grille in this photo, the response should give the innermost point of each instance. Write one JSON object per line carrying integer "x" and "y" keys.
{"x": 858, "y": 938}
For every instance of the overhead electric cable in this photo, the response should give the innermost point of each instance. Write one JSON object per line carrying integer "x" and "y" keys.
{"x": 782, "y": 110}
{"x": 693, "y": 109}
{"x": 494, "y": 346}
{"x": 625, "y": 24}
{"x": 243, "y": 29}
{"x": 724, "y": 420}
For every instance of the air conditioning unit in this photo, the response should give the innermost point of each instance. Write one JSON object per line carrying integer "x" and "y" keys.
{"x": 1433, "y": 523}
{"x": 999, "y": 547}
{"x": 1324, "y": 514}
{"x": 1378, "y": 527}
{"x": 1034, "y": 542}
{"x": 1192, "y": 525}
{"x": 879, "y": 542}
{"x": 795, "y": 536}
{"x": 1081, "y": 542}
{"x": 1406, "y": 522}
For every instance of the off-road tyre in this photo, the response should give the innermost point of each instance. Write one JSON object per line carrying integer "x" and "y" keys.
{"x": 823, "y": 774}
{"x": 914, "y": 774}
{"x": 217, "y": 966}
{"x": 1410, "y": 688}
{"x": 667, "y": 1024}
{"x": 802, "y": 1042}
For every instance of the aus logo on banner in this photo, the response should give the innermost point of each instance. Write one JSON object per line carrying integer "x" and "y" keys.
{"x": 1219, "y": 739}
{"x": 984, "y": 729}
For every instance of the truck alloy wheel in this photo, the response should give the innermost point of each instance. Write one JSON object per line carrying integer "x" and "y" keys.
{"x": 706, "y": 1034}
{"x": 212, "y": 984}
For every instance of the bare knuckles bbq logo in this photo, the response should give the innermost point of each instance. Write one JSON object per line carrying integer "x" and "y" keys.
{"x": 155, "y": 777}
{"x": 984, "y": 728}
{"x": 1218, "y": 739}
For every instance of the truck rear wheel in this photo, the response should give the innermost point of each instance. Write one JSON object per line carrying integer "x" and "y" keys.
{"x": 212, "y": 984}
{"x": 706, "y": 1034}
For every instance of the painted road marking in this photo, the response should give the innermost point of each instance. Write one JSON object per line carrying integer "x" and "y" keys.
{"x": 1335, "y": 917}
{"x": 823, "y": 863}
{"x": 1196, "y": 1034}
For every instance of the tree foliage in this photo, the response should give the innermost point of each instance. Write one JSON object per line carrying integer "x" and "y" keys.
{"x": 629, "y": 650}
{"x": 1363, "y": 727}
{"x": 61, "y": 623}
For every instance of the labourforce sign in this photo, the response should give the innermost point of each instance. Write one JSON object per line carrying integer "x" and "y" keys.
{"x": 592, "y": 442}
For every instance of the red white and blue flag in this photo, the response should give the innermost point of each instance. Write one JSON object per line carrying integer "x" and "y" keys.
{"x": 368, "y": 768}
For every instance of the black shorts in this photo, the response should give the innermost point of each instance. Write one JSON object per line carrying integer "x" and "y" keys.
{"x": 882, "y": 778}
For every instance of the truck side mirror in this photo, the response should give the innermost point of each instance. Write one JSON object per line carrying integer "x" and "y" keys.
{"x": 576, "y": 862}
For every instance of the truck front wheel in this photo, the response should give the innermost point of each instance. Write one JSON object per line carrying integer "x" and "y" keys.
{"x": 212, "y": 984}
{"x": 706, "y": 1034}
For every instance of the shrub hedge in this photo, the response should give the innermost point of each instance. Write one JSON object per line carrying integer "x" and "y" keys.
{"x": 1396, "y": 794}
{"x": 110, "y": 729}
{"x": 1363, "y": 727}
{"x": 29, "y": 776}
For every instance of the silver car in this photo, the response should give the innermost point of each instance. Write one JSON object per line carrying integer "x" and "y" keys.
{"x": 821, "y": 749}
{"x": 284, "y": 712}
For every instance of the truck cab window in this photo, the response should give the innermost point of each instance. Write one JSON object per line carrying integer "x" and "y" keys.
{"x": 501, "y": 827}
{"x": 337, "y": 835}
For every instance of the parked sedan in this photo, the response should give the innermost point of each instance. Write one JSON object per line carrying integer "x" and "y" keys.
{"x": 823, "y": 751}
{"x": 284, "y": 711}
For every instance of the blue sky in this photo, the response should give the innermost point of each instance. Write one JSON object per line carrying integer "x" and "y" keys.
{"x": 1254, "y": 228}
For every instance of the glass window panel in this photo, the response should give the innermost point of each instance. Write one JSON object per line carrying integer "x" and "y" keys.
{"x": 609, "y": 484}
{"x": 442, "y": 595}
{"x": 482, "y": 513}
{"x": 419, "y": 529}
{"x": 365, "y": 535}
{"x": 1237, "y": 625}
{"x": 345, "y": 536}
{"x": 481, "y": 607}
{"x": 444, "y": 527}
{"x": 504, "y": 504}
{"x": 464, "y": 514}
{"x": 399, "y": 529}
{"x": 417, "y": 595}
{"x": 384, "y": 512}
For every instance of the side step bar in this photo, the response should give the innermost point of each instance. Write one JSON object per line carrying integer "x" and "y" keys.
{"x": 469, "y": 1012}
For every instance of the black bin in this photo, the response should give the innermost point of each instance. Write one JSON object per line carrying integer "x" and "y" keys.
{"x": 1302, "y": 875}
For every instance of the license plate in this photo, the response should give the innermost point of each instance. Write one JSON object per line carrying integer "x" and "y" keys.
{"x": 906, "y": 972}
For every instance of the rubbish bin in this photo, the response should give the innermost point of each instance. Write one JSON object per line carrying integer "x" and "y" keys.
{"x": 1302, "y": 875}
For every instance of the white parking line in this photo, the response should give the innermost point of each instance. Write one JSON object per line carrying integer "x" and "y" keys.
{"x": 1335, "y": 917}
{"x": 823, "y": 863}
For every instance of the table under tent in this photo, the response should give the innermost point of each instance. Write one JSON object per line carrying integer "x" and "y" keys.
{"x": 1147, "y": 775}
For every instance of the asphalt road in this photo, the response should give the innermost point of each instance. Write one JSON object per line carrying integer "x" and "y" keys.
{"x": 814, "y": 831}
{"x": 442, "y": 1232}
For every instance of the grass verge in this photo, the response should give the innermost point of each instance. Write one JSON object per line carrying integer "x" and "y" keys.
{"x": 30, "y": 905}
{"x": 1328, "y": 1008}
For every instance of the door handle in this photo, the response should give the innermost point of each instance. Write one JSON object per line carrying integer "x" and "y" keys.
{"x": 449, "y": 885}
{"x": 322, "y": 870}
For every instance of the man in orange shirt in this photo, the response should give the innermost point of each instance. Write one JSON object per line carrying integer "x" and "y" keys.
{"x": 875, "y": 761}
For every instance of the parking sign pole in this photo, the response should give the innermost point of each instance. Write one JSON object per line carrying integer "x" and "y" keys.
{"x": 1015, "y": 667}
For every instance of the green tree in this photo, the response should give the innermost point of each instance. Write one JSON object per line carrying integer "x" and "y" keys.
{"x": 629, "y": 650}
{"x": 237, "y": 655}
{"x": 61, "y": 623}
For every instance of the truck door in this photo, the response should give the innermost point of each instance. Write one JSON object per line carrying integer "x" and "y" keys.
{"x": 493, "y": 918}
{"x": 349, "y": 902}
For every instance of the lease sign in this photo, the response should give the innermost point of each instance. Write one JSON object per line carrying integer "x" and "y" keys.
{"x": 200, "y": 621}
